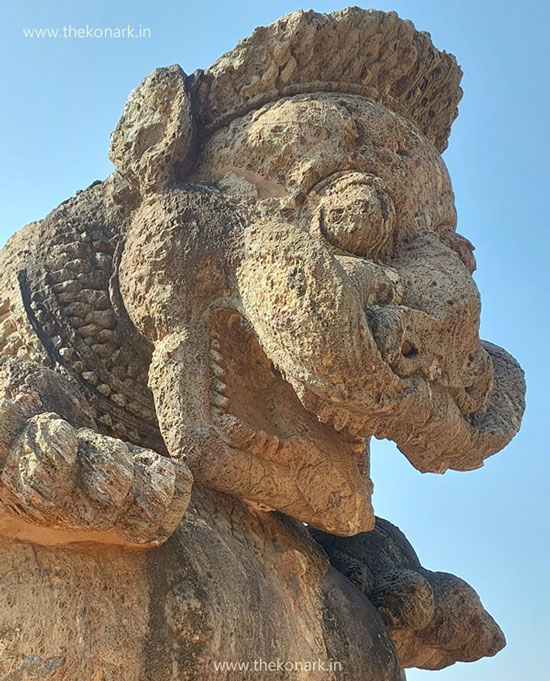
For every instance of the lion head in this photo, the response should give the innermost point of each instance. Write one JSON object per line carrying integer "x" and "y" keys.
{"x": 293, "y": 257}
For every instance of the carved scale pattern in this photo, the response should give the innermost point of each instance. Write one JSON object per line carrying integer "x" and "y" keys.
{"x": 73, "y": 303}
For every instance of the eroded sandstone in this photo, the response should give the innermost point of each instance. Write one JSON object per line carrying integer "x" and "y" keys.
{"x": 195, "y": 352}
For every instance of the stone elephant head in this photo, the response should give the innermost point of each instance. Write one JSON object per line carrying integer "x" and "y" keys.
{"x": 293, "y": 259}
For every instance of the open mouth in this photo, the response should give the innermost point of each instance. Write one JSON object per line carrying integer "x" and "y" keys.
{"x": 247, "y": 385}
{"x": 255, "y": 409}
{"x": 320, "y": 442}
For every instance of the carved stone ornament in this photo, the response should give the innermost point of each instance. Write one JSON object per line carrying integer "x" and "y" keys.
{"x": 195, "y": 352}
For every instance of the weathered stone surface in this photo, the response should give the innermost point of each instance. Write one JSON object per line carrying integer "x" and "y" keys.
{"x": 369, "y": 53}
{"x": 67, "y": 479}
{"x": 270, "y": 277}
{"x": 435, "y": 618}
{"x": 103, "y": 612}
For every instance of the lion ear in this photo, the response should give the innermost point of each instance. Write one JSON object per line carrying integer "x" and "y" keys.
{"x": 154, "y": 137}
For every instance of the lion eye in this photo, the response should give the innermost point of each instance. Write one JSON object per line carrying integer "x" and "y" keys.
{"x": 359, "y": 219}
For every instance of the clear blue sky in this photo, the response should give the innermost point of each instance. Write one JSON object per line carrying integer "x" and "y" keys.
{"x": 61, "y": 99}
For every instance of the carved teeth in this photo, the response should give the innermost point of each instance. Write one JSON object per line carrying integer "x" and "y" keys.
{"x": 233, "y": 431}
{"x": 325, "y": 413}
{"x": 340, "y": 419}
{"x": 89, "y": 377}
{"x": 217, "y": 370}
{"x": 358, "y": 447}
{"x": 216, "y": 356}
{"x": 355, "y": 424}
{"x": 219, "y": 386}
{"x": 219, "y": 400}
{"x": 257, "y": 443}
{"x": 271, "y": 448}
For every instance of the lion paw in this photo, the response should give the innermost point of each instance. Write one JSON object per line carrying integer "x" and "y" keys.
{"x": 78, "y": 480}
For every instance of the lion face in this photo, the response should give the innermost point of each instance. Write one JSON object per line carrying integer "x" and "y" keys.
{"x": 310, "y": 270}
{"x": 355, "y": 282}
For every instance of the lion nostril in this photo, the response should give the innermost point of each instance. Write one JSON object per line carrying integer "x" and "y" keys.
{"x": 408, "y": 350}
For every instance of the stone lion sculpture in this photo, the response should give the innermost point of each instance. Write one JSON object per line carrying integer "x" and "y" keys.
{"x": 270, "y": 276}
